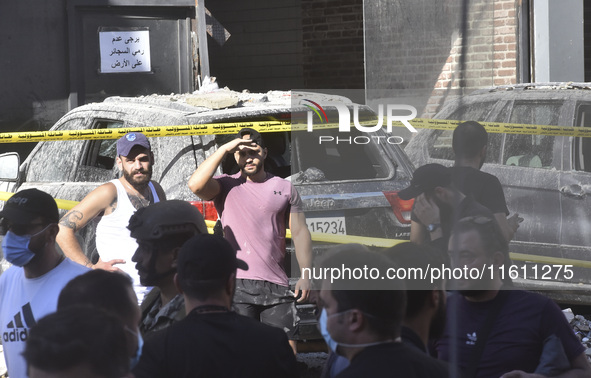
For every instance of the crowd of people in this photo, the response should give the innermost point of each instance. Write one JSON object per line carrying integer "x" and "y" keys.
{"x": 221, "y": 306}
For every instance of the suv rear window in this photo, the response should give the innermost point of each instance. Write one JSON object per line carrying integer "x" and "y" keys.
{"x": 351, "y": 156}
{"x": 440, "y": 146}
{"x": 533, "y": 151}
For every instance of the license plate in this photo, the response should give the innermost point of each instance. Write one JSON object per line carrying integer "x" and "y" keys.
{"x": 327, "y": 225}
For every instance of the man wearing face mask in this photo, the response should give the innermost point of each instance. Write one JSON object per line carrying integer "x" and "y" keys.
{"x": 30, "y": 287}
{"x": 438, "y": 205}
{"x": 361, "y": 318}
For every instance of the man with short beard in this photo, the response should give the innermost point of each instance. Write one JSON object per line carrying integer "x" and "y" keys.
{"x": 495, "y": 331}
{"x": 160, "y": 230}
{"x": 115, "y": 202}
{"x": 438, "y": 204}
{"x": 256, "y": 208}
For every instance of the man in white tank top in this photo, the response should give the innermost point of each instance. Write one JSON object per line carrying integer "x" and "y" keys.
{"x": 115, "y": 202}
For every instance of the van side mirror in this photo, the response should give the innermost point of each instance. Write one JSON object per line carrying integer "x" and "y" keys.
{"x": 9, "y": 163}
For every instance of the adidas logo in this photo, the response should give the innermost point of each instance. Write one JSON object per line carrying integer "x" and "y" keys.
{"x": 471, "y": 338}
{"x": 20, "y": 335}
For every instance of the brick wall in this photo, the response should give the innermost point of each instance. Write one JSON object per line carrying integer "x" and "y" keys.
{"x": 413, "y": 49}
{"x": 491, "y": 57}
{"x": 333, "y": 44}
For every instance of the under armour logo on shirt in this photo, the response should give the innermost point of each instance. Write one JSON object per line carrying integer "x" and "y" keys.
{"x": 279, "y": 193}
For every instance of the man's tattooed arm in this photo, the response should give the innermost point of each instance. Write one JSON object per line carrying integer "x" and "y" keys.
{"x": 72, "y": 219}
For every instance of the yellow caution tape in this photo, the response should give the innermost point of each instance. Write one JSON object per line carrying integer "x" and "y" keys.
{"x": 152, "y": 131}
{"x": 550, "y": 260}
{"x": 507, "y": 128}
{"x": 276, "y": 126}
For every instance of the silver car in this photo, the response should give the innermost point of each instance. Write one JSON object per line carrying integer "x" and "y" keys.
{"x": 346, "y": 189}
{"x": 546, "y": 179}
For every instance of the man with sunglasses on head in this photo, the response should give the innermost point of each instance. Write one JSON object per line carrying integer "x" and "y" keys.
{"x": 30, "y": 287}
{"x": 256, "y": 208}
{"x": 493, "y": 331}
{"x": 114, "y": 203}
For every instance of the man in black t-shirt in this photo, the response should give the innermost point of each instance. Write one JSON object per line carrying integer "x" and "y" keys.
{"x": 470, "y": 141}
{"x": 212, "y": 340}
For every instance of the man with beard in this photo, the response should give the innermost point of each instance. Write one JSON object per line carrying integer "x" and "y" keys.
{"x": 492, "y": 331}
{"x": 255, "y": 208}
{"x": 212, "y": 340}
{"x": 424, "y": 318}
{"x": 115, "y": 202}
{"x": 438, "y": 204}
{"x": 160, "y": 230}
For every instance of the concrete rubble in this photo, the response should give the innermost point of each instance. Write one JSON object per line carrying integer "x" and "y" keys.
{"x": 581, "y": 328}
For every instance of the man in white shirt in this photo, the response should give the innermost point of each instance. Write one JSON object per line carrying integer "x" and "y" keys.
{"x": 115, "y": 202}
{"x": 30, "y": 287}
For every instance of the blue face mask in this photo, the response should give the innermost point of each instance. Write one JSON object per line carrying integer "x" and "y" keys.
{"x": 16, "y": 248}
{"x": 322, "y": 322}
{"x": 140, "y": 344}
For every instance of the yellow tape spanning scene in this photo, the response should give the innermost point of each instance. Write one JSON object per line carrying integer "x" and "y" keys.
{"x": 276, "y": 126}
{"x": 152, "y": 131}
{"x": 370, "y": 242}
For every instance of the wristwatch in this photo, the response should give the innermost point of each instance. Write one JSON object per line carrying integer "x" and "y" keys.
{"x": 433, "y": 226}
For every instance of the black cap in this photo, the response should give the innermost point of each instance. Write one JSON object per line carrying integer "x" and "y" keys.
{"x": 129, "y": 140}
{"x": 255, "y": 136}
{"x": 426, "y": 178}
{"x": 166, "y": 218}
{"x": 29, "y": 204}
{"x": 207, "y": 257}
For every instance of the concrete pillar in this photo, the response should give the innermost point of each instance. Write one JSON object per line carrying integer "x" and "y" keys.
{"x": 558, "y": 41}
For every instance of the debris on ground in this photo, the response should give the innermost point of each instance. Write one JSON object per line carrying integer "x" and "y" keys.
{"x": 581, "y": 328}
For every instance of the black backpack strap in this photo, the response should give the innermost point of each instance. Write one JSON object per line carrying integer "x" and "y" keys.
{"x": 472, "y": 368}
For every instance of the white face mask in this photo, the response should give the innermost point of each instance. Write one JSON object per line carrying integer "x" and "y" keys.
{"x": 333, "y": 344}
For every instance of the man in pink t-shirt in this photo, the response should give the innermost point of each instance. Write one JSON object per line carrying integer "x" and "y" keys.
{"x": 255, "y": 208}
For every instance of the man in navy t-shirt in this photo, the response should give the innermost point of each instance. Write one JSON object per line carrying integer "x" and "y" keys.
{"x": 525, "y": 321}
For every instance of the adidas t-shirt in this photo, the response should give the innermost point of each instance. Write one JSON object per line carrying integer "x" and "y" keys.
{"x": 25, "y": 300}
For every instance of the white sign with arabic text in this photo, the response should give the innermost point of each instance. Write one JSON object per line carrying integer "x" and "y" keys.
{"x": 125, "y": 51}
